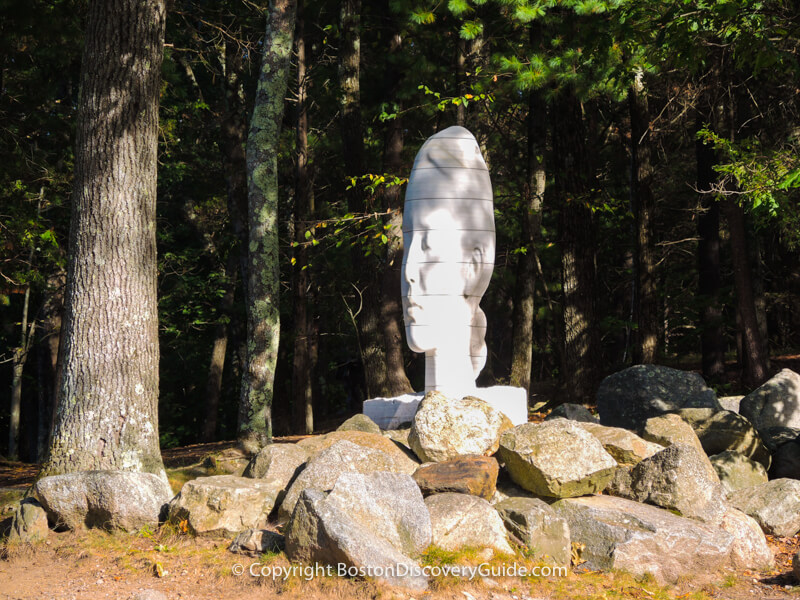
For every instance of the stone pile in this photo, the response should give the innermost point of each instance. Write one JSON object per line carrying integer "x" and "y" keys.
{"x": 667, "y": 483}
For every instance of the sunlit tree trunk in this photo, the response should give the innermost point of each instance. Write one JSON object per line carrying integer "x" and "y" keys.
{"x": 263, "y": 277}
{"x": 107, "y": 413}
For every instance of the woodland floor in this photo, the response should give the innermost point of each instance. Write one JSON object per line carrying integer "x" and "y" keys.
{"x": 93, "y": 564}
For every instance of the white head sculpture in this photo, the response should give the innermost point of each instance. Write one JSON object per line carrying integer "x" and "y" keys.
{"x": 448, "y": 233}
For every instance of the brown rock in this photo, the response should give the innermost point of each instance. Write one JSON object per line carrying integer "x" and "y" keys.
{"x": 475, "y": 475}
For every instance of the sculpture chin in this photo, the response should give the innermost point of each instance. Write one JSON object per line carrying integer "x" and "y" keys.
{"x": 418, "y": 339}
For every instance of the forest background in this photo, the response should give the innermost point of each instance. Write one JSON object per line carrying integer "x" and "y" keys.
{"x": 644, "y": 158}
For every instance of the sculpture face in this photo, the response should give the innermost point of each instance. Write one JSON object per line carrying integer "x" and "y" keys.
{"x": 449, "y": 242}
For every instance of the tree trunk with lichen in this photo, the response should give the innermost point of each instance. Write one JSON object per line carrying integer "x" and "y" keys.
{"x": 108, "y": 394}
{"x": 263, "y": 277}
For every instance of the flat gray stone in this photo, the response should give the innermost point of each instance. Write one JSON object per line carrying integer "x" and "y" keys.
{"x": 321, "y": 532}
{"x": 631, "y": 396}
{"x": 446, "y": 428}
{"x": 736, "y": 471}
{"x": 224, "y": 505}
{"x": 537, "y": 526}
{"x": 463, "y": 520}
{"x": 775, "y": 404}
{"x": 405, "y": 461}
{"x": 124, "y": 500}
{"x": 775, "y": 505}
{"x": 322, "y": 471}
{"x": 389, "y": 504}
{"x": 639, "y": 538}
{"x": 730, "y": 403}
{"x": 557, "y": 459}
{"x": 723, "y": 430}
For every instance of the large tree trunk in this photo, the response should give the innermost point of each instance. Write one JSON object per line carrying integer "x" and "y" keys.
{"x": 373, "y": 352}
{"x": 709, "y": 278}
{"x": 263, "y": 277}
{"x": 643, "y": 205}
{"x": 391, "y": 305}
{"x": 108, "y": 397}
{"x": 573, "y": 176}
{"x": 754, "y": 363}
{"x": 531, "y": 209}
{"x": 302, "y": 373}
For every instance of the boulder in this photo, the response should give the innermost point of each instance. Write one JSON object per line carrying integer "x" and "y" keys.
{"x": 621, "y": 484}
{"x": 670, "y": 429}
{"x": 775, "y": 437}
{"x": 359, "y": 422}
{"x": 730, "y": 403}
{"x": 631, "y": 396}
{"x": 723, "y": 430}
{"x": 257, "y": 541}
{"x": 405, "y": 461}
{"x": 786, "y": 461}
{"x": 461, "y": 520}
{"x": 389, "y": 504}
{"x": 322, "y": 471}
{"x": 231, "y": 461}
{"x": 476, "y": 475}
{"x": 29, "y": 523}
{"x": 680, "y": 478}
{"x": 572, "y": 412}
{"x": 775, "y": 404}
{"x": 536, "y": 525}
{"x": 556, "y": 458}
{"x": 279, "y": 463}
{"x": 445, "y": 428}
{"x": 750, "y": 549}
{"x": 224, "y": 505}
{"x": 624, "y": 446}
{"x": 774, "y": 505}
{"x": 321, "y": 532}
{"x": 124, "y": 500}
{"x": 736, "y": 471}
{"x": 399, "y": 436}
{"x": 622, "y": 534}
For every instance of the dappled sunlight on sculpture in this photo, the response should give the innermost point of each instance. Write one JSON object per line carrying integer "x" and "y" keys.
{"x": 449, "y": 250}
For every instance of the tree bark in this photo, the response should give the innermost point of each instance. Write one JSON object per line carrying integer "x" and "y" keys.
{"x": 391, "y": 306}
{"x": 107, "y": 409}
{"x": 531, "y": 209}
{"x": 47, "y": 360}
{"x": 302, "y": 375}
{"x": 754, "y": 366}
{"x": 263, "y": 277}
{"x": 709, "y": 278}
{"x": 573, "y": 176}
{"x": 643, "y": 205}
{"x": 373, "y": 352}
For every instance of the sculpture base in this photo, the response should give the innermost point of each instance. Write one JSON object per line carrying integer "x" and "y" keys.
{"x": 391, "y": 413}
